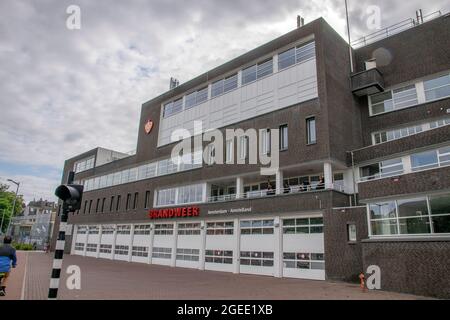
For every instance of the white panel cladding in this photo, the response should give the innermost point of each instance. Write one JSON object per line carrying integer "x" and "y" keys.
{"x": 220, "y": 242}
{"x": 188, "y": 242}
{"x": 290, "y": 86}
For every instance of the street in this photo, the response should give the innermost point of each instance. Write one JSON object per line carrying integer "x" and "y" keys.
{"x": 106, "y": 279}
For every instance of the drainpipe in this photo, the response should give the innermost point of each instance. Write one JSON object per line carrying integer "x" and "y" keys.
{"x": 354, "y": 181}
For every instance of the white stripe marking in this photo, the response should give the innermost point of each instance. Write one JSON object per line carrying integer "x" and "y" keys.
{"x": 22, "y": 293}
{"x": 54, "y": 283}
{"x": 60, "y": 244}
{"x": 57, "y": 263}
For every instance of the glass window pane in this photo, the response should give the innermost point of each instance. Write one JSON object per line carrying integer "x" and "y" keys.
{"x": 382, "y": 210}
{"x": 264, "y": 68}
{"x": 412, "y": 207}
{"x": 441, "y": 224}
{"x": 286, "y": 59}
{"x": 424, "y": 160}
{"x": 249, "y": 74}
{"x": 414, "y": 225}
{"x": 440, "y": 204}
{"x": 217, "y": 88}
{"x": 384, "y": 227}
{"x": 230, "y": 83}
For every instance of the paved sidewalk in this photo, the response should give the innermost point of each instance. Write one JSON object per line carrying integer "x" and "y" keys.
{"x": 106, "y": 279}
{"x": 15, "y": 281}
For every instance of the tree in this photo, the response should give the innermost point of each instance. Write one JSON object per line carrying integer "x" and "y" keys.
{"x": 6, "y": 204}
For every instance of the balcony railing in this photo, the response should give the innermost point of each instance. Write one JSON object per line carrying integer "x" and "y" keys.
{"x": 272, "y": 192}
{"x": 367, "y": 82}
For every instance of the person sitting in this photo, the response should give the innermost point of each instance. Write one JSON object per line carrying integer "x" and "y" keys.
{"x": 321, "y": 184}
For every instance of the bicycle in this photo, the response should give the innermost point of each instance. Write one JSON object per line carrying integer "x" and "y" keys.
{"x": 2, "y": 275}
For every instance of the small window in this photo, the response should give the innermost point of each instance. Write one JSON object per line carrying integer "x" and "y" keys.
{"x": 351, "y": 231}
{"x": 85, "y": 205}
{"x": 147, "y": 199}
{"x": 118, "y": 203}
{"x": 311, "y": 130}
{"x": 90, "y": 206}
{"x": 128, "y": 203}
{"x": 111, "y": 205}
{"x": 243, "y": 147}
{"x": 283, "y": 137}
{"x": 265, "y": 141}
{"x": 135, "y": 200}
{"x": 103, "y": 205}
{"x": 229, "y": 151}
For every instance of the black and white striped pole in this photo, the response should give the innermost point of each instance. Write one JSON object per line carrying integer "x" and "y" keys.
{"x": 71, "y": 195}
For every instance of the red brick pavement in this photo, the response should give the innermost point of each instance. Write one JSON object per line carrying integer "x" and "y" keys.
{"x": 106, "y": 279}
{"x": 15, "y": 281}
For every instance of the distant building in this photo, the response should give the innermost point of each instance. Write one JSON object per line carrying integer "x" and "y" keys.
{"x": 35, "y": 223}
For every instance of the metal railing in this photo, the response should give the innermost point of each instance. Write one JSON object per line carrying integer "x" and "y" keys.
{"x": 273, "y": 192}
{"x": 392, "y": 30}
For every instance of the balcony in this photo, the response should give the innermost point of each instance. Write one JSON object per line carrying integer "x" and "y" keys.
{"x": 367, "y": 82}
{"x": 272, "y": 192}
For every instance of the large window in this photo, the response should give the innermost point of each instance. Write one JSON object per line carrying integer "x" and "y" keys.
{"x": 196, "y": 98}
{"x": 224, "y": 85}
{"x": 256, "y": 227}
{"x": 257, "y": 71}
{"x": 219, "y": 256}
{"x": 304, "y": 260}
{"x": 265, "y": 141}
{"x": 303, "y": 225}
{"x": 166, "y": 197}
{"x": 84, "y": 164}
{"x": 257, "y": 258}
{"x": 383, "y": 169}
{"x": 395, "y": 99}
{"x": 411, "y": 216}
{"x": 296, "y": 55}
{"x": 190, "y": 194}
{"x": 311, "y": 130}
{"x": 437, "y": 88}
{"x": 173, "y": 107}
{"x": 220, "y": 228}
{"x": 430, "y": 159}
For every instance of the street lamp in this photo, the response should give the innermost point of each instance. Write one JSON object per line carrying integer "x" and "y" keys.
{"x": 14, "y": 203}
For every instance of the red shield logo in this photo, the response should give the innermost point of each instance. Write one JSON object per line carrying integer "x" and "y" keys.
{"x": 148, "y": 126}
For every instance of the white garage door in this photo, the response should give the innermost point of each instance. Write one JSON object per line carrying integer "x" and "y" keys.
{"x": 162, "y": 244}
{"x": 188, "y": 245}
{"x": 80, "y": 241}
{"x": 220, "y": 242}
{"x": 257, "y": 246}
{"x": 123, "y": 238}
{"x": 303, "y": 248}
{"x": 106, "y": 241}
{"x": 93, "y": 239}
{"x": 141, "y": 243}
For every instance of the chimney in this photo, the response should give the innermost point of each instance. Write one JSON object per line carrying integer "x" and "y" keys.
{"x": 173, "y": 83}
{"x": 300, "y": 21}
{"x": 419, "y": 16}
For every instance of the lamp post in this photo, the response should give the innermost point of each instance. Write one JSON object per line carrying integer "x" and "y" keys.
{"x": 14, "y": 203}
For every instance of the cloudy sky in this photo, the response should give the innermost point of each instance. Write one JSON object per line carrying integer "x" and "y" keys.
{"x": 63, "y": 92}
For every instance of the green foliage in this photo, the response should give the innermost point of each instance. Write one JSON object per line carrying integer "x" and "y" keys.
{"x": 6, "y": 204}
{"x": 22, "y": 246}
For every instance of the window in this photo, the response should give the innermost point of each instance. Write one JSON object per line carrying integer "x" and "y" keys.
{"x": 111, "y": 204}
{"x": 283, "y": 137}
{"x": 93, "y": 230}
{"x": 173, "y": 107}
{"x": 90, "y": 206}
{"x": 163, "y": 229}
{"x": 121, "y": 250}
{"x": 210, "y": 154}
{"x": 147, "y": 171}
{"x": 424, "y": 160}
{"x": 243, "y": 147}
{"x": 224, "y": 85}
{"x": 189, "y": 229}
{"x": 139, "y": 251}
{"x": 84, "y": 164}
{"x": 351, "y": 232}
{"x": 256, "y": 258}
{"x": 411, "y": 216}
{"x": 162, "y": 253}
{"x": 383, "y": 169}
{"x": 296, "y": 55}
{"x": 384, "y": 136}
{"x": 437, "y": 88}
{"x": 188, "y": 254}
{"x": 103, "y": 205}
{"x": 190, "y": 194}
{"x": 440, "y": 213}
{"x": 97, "y": 205}
{"x": 303, "y": 225}
{"x": 142, "y": 229}
{"x": 392, "y": 100}
{"x": 105, "y": 248}
{"x": 229, "y": 154}
{"x": 147, "y": 199}
{"x": 166, "y": 197}
{"x": 91, "y": 247}
{"x": 219, "y": 256}
{"x": 196, "y": 98}
{"x": 220, "y": 228}
{"x": 85, "y": 205}
{"x": 303, "y": 260}
{"x": 118, "y": 203}
{"x": 257, "y": 71}
{"x": 79, "y": 246}
{"x": 124, "y": 229}
{"x": 128, "y": 203}
{"x": 107, "y": 229}
{"x": 82, "y": 230}
{"x": 257, "y": 227}
{"x": 311, "y": 130}
{"x": 135, "y": 200}
{"x": 265, "y": 141}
